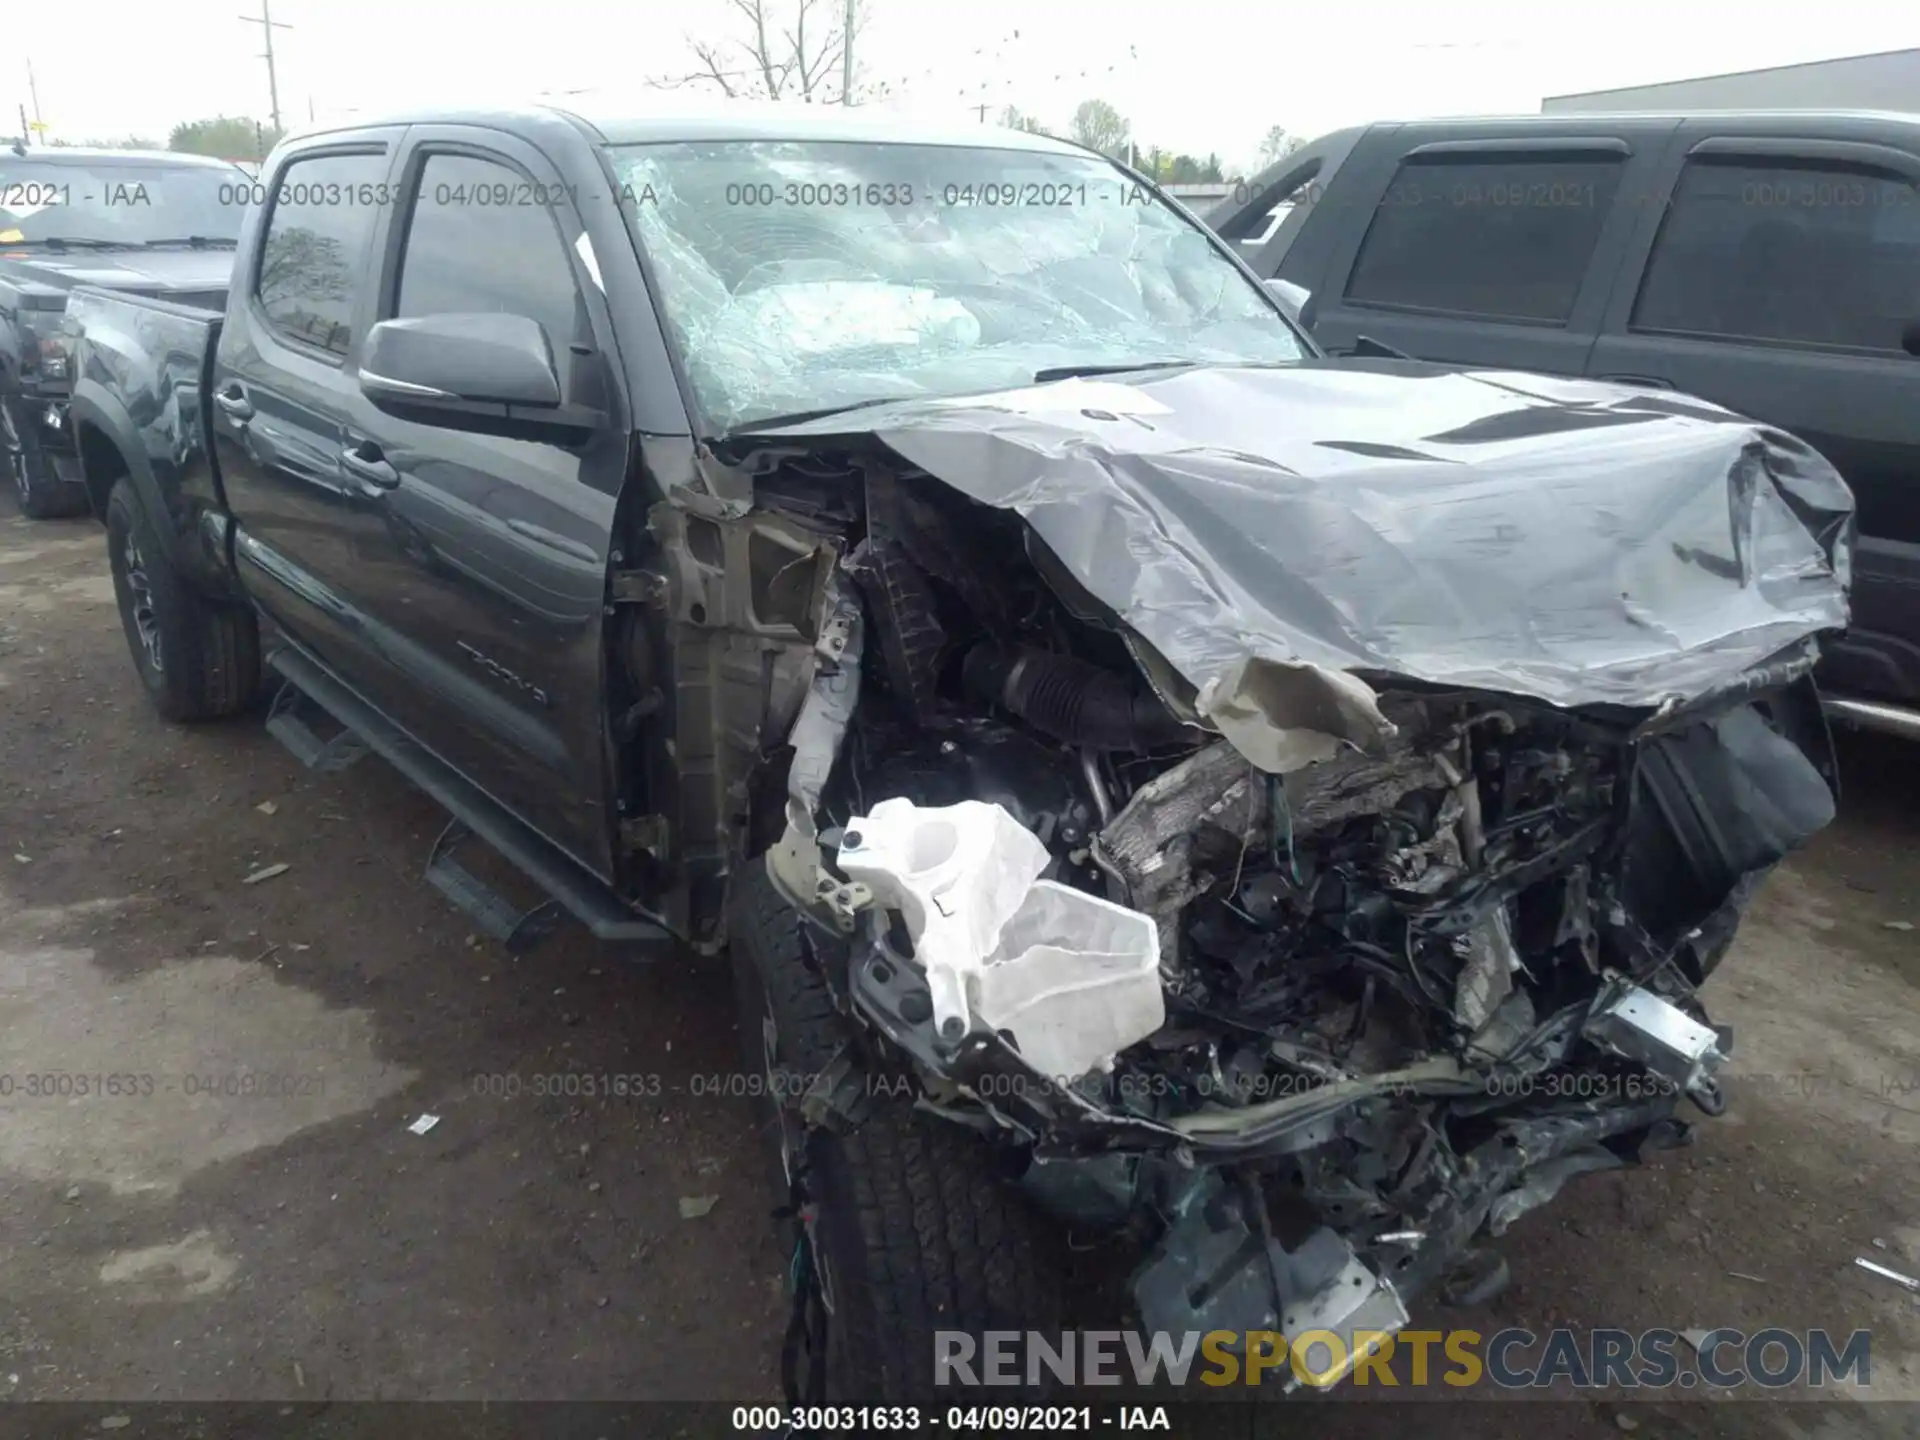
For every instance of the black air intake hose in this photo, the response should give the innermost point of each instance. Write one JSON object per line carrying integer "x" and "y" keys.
{"x": 1070, "y": 699}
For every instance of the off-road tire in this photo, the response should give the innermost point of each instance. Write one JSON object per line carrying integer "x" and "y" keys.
{"x": 198, "y": 658}
{"x": 37, "y": 492}
{"x": 914, "y": 1227}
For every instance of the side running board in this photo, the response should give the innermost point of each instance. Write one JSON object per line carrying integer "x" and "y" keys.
{"x": 310, "y": 689}
{"x": 491, "y": 912}
{"x": 297, "y": 723}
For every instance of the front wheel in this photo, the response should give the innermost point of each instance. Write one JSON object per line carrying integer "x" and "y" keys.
{"x": 198, "y": 658}
{"x": 908, "y": 1230}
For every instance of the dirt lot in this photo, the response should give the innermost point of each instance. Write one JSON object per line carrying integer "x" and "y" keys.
{"x": 296, "y": 1244}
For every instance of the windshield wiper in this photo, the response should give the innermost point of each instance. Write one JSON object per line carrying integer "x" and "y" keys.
{"x": 801, "y": 417}
{"x": 62, "y": 242}
{"x": 198, "y": 242}
{"x": 1040, "y": 377}
{"x": 1076, "y": 372}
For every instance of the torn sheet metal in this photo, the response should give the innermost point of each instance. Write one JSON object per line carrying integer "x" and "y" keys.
{"x": 1574, "y": 542}
{"x": 1486, "y": 972}
{"x": 1545, "y": 1181}
{"x": 1217, "y": 1270}
{"x": 825, "y": 714}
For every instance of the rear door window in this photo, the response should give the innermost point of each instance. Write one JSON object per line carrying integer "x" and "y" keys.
{"x": 1816, "y": 254}
{"x": 318, "y": 231}
{"x": 1502, "y": 237}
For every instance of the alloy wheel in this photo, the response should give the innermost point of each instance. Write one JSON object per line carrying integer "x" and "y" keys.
{"x": 144, "y": 618}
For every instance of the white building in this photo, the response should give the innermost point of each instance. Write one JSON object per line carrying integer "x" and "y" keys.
{"x": 1889, "y": 80}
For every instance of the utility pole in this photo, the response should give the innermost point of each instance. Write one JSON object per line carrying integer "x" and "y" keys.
{"x": 846, "y": 55}
{"x": 34, "y": 90}
{"x": 983, "y": 113}
{"x": 268, "y": 25}
{"x": 23, "y": 127}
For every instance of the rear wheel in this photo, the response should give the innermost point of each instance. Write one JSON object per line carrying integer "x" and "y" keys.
{"x": 198, "y": 658}
{"x": 908, "y": 1229}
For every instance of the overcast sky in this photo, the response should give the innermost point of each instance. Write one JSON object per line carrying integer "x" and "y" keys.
{"x": 1196, "y": 75}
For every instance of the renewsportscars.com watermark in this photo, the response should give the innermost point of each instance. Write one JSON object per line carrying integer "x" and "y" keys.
{"x": 1511, "y": 1359}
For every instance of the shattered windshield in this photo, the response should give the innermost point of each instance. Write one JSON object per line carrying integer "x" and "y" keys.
{"x": 103, "y": 202}
{"x": 804, "y": 275}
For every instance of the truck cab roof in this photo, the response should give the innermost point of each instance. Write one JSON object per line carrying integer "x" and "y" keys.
{"x": 88, "y": 154}
{"x": 1578, "y": 120}
{"x": 621, "y": 121}
{"x": 1318, "y": 157}
{"x": 1568, "y": 119}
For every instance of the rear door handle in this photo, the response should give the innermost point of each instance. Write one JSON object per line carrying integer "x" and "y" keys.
{"x": 366, "y": 464}
{"x": 233, "y": 402}
{"x": 1653, "y": 382}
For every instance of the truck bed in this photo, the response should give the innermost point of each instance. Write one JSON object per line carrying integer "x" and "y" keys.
{"x": 98, "y": 316}
{"x": 140, "y": 413}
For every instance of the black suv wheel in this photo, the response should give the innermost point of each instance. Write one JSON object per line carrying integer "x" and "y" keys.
{"x": 199, "y": 659}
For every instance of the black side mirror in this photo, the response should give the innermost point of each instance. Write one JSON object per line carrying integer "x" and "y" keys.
{"x": 1910, "y": 337}
{"x": 485, "y": 372}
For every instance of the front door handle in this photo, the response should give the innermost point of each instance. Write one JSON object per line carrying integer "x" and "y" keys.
{"x": 1653, "y": 382}
{"x": 366, "y": 464}
{"x": 233, "y": 402}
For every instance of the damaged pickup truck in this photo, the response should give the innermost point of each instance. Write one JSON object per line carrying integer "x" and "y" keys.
{"x": 1150, "y": 777}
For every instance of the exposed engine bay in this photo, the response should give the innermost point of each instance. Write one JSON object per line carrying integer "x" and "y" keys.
{"x": 1308, "y": 976}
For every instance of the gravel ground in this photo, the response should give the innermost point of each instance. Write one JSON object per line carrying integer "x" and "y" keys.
{"x": 293, "y": 1242}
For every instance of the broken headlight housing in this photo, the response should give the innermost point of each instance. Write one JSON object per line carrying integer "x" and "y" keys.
{"x": 46, "y": 360}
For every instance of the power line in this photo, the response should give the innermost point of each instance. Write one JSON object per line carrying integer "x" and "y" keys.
{"x": 268, "y": 25}
{"x": 996, "y": 83}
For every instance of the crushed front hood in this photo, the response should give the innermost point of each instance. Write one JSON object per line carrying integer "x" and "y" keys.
{"x": 1574, "y": 542}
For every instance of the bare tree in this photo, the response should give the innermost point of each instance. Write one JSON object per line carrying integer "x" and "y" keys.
{"x": 1276, "y": 145}
{"x": 778, "y": 50}
{"x": 1099, "y": 126}
{"x": 1013, "y": 118}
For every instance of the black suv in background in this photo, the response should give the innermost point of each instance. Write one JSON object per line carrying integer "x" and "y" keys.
{"x": 1766, "y": 261}
{"x": 146, "y": 223}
